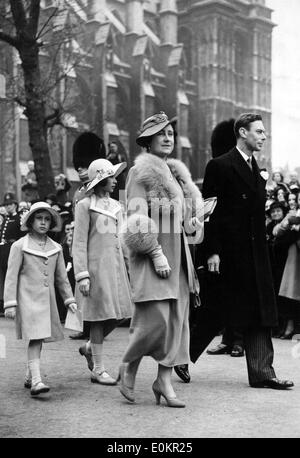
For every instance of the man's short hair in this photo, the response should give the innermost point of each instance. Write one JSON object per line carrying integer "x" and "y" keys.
{"x": 244, "y": 120}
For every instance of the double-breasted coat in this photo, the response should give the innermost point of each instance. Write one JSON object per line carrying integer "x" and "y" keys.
{"x": 237, "y": 233}
{"x": 98, "y": 255}
{"x": 160, "y": 194}
{"x": 29, "y": 285}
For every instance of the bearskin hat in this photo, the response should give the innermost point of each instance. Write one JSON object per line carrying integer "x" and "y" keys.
{"x": 223, "y": 138}
{"x": 87, "y": 148}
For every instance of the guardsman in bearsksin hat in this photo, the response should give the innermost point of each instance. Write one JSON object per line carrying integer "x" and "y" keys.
{"x": 10, "y": 231}
{"x": 87, "y": 148}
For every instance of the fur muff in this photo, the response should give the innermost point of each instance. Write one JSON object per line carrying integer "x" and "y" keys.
{"x": 139, "y": 233}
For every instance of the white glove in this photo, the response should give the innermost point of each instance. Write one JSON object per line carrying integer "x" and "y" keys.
{"x": 73, "y": 307}
{"x": 10, "y": 313}
{"x": 84, "y": 286}
{"x": 193, "y": 225}
{"x": 160, "y": 263}
{"x": 196, "y": 223}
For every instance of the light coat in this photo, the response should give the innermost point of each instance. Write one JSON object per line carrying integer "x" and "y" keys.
{"x": 98, "y": 255}
{"x": 161, "y": 197}
{"x": 29, "y": 285}
{"x": 290, "y": 284}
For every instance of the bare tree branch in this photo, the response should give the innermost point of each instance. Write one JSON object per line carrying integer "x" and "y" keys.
{"x": 34, "y": 14}
{"x": 13, "y": 41}
{"x": 19, "y": 15}
{"x": 46, "y": 23}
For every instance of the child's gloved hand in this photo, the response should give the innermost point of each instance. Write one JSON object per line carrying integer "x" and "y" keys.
{"x": 84, "y": 286}
{"x": 73, "y": 307}
{"x": 10, "y": 313}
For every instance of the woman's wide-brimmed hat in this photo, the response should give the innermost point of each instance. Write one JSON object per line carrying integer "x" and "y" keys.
{"x": 101, "y": 169}
{"x": 42, "y": 206}
{"x": 153, "y": 125}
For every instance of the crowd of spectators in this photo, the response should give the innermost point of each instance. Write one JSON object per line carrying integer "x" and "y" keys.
{"x": 283, "y": 235}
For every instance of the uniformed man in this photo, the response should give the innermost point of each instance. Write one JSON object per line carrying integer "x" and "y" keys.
{"x": 10, "y": 231}
{"x": 87, "y": 148}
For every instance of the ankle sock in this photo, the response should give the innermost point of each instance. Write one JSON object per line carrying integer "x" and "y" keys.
{"x": 34, "y": 367}
{"x": 97, "y": 354}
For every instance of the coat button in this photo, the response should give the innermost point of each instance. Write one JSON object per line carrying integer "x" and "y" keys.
{"x": 46, "y": 283}
{"x": 46, "y": 273}
{"x": 46, "y": 262}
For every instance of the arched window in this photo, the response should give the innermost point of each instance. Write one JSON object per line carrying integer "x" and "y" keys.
{"x": 185, "y": 37}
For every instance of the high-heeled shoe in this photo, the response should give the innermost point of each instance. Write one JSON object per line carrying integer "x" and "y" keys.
{"x": 171, "y": 402}
{"x": 125, "y": 390}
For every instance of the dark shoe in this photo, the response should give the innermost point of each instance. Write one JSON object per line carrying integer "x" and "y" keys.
{"x": 27, "y": 382}
{"x": 237, "y": 351}
{"x": 78, "y": 336}
{"x": 183, "y": 373}
{"x": 220, "y": 349}
{"x": 84, "y": 351}
{"x": 287, "y": 336}
{"x": 274, "y": 383}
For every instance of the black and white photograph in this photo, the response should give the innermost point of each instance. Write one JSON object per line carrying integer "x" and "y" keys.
{"x": 149, "y": 222}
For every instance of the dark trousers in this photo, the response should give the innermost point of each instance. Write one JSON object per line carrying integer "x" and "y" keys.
{"x": 4, "y": 254}
{"x": 257, "y": 342}
{"x": 232, "y": 336}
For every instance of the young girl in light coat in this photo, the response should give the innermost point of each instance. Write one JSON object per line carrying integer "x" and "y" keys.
{"x": 99, "y": 265}
{"x": 35, "y": 266}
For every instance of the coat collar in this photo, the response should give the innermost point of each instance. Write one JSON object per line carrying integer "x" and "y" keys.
{"x": 159, "y": 178}
{"x": 43, "y": 254}
{"x": 241, "y": 167}
{"x": 114, "y": 210}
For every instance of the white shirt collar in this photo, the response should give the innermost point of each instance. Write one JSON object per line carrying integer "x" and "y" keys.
{"x": 245, "y": 156}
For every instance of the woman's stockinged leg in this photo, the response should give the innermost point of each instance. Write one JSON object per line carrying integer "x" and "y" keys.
{"x": 162, "y": 387}
{"x": 131, "y": 371}
{"x": 164, "y": 379}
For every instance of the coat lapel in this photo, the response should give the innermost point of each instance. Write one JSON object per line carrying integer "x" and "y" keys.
{"x": 243, "y": 169}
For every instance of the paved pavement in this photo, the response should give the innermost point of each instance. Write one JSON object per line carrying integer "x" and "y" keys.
{"x": 219, "y": 401}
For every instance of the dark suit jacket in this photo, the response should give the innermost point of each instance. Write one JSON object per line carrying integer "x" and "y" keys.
{"x": 236, "y": 231}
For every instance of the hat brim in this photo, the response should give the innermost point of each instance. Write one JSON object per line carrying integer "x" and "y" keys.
{"x": 118, "y": 168}
{"x": 154, "y": 130}
{"x": 57, "y": 219}
{"x": 9, "y": 202}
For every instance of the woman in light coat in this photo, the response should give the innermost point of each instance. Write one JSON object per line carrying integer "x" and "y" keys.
{"x": 35, "y": 266}
{"x": 162, "y": 206}
{"x": 99, "y": 264}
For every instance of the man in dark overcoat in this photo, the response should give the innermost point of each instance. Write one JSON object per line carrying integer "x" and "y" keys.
{"x": 237, "y": 251}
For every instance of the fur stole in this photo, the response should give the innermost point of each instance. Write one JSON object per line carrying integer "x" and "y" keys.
{"x": 157, "y": 177}
{"x": 154, "y": 174}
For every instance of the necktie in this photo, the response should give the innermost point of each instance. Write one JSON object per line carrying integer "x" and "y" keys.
{"x": 249, "y": 162}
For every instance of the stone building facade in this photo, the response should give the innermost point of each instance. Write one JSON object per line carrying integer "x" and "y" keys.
{"x": 200, "y": 60}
